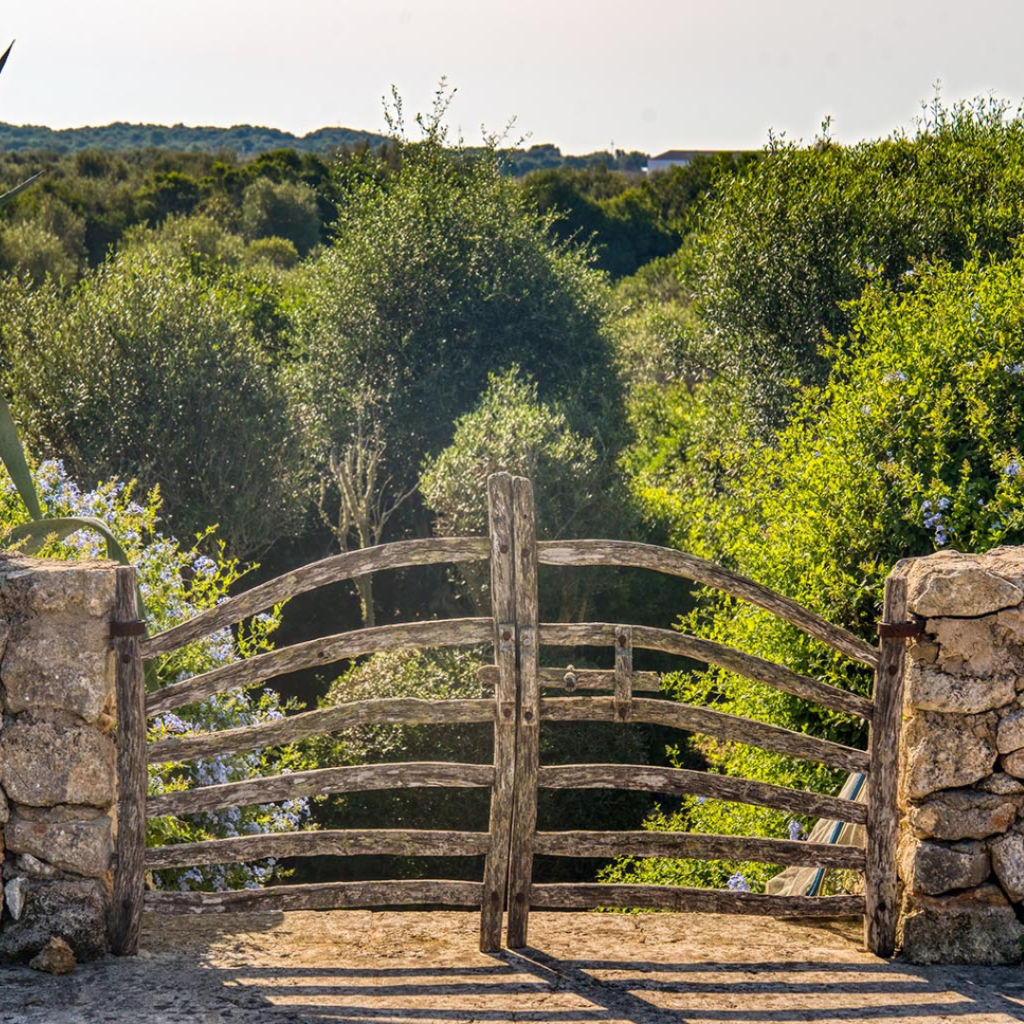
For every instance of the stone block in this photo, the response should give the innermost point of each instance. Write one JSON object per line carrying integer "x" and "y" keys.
{"x": 56, "y": 957}
{"x": 934, "y": 868}
{"x": 5, "y": 809}
{"x": 1013, "y": 764}
{"x": 930, "y": 688}
{"x": 1001, "y": 783}
{"x": 954, "y": 585}
{"x": 80, "y": 847}
{"x": 977, "y": 926}
{"x": 46, "y": 761}
{"x": 1010, "y": 732}
{"x": 47, "y": 586}
{"x": 963, "y": 814}
{"x": 1008, "y": 864}
{"x": 62, "y": 662}
{"x": 75, "y": 911}
{"x": 947, "y": 752}
{"x": 972, "y": 647}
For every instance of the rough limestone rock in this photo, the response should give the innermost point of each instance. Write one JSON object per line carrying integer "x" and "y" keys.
{"x": 81, "y": 847}
{"x": 44, "y": 762}
{"x": 60, "y": 812}
{"x": 933, "y": 868}
{"x": 1008, "y": 863}
{"x": 1013, "y": 764}
{"x": 75, "y": 911}
{"x": 977, "y": 926}
{"x": 1001, "y": 783}
{"x": 46, "y": 586}
{"x": 963, "y": 814}
{"x": 1010, "y": 734}
{"x": 56, "y": 957}
{"x": 967, "y": 753}
{"x": 955, "y": 585}
{"x": 5, "y": 810}
{"x": 62, "y": 662}
{"x": 14, "y": 896}
{"x": 32, "y": 867}
{"x": 928, "y": 688}
{"x": 971, "y": 646}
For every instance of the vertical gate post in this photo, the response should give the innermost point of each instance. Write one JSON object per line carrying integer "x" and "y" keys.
{"x": 524, "y": 822}
{"x": 503, "y": 603}
{"x": 881, "y": 884}
{"x": 126, "y": 913}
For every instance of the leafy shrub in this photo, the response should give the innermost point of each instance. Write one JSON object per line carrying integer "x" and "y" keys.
{"x": 177, "y": 583}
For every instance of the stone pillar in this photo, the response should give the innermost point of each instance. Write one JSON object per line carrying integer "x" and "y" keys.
{"x": 57, "y": 755}
{"x": 962, "y": 760}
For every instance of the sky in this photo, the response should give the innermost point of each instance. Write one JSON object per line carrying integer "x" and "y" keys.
{"x": 599, "y": 74}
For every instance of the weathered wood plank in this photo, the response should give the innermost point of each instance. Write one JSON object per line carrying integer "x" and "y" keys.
{"x": 503, "y": 605}
{"x": 349, "y": 779}
{"x": 524, "y": 820}
{"x": 326, "y": 896}
{"x": 579, "y": 679}
{"x": 398, "y": 555}
{"x": 324, "y": 651}
{"x": 381, "y": 711}
{"x": 132, "y": 778}
{"x": 623, "y": 672}
{"x": 881, "y": 885}
{"x": 333, "y": 843}
{"x": 589, "y": 896}
{"x": 573, "y": 634}
{"x": 683, "y": 782}
{"x": 698, "y": 846}
{"x": 729, "y": 728}
{"x": 678, "y": 563}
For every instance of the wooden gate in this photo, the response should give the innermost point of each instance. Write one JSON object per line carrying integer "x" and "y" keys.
{"x": 517, "y": 711}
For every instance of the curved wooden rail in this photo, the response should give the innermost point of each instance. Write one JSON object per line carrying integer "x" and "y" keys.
{"x": 398, "y": 555}
{"x": 602, "y": 634}
{"x": 325, "y": 896}
{"x": 683, "y": 782}
{"x": 591, "y": 895}
{"x": 678, "y": 563}
{"x": 699, "y": 846}
{"x": 335, "y": 843}
{"x": 730, "y": 728}
{"x": 324, "y": 651}
{"x": 385, "y": 710}
{"x": 350, "y": 779}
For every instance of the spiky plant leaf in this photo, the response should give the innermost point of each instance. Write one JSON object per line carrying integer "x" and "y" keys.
{"x": 7, "y": 53}
{"x": 8, "y": 196}
{"x": 13, "y": 455}
{"x": 32, "y": 537}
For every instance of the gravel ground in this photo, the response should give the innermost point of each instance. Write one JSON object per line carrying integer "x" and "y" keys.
{"x": 358, "y": 967}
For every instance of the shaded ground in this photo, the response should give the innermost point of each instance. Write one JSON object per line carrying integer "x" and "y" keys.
{"x": 358, "y": 967}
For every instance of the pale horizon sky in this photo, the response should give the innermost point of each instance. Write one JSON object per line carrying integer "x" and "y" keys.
{"x": 585, "y": 76}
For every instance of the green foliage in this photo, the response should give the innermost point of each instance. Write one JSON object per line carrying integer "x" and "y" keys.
{"x": 148, "y": 369}
{"x": 287, "y": 210}
{"x": 511, "y": 430}
{"x": 439, "y": 274}
{"x": 786, "y": 243}
{"x": 176, "y": 583}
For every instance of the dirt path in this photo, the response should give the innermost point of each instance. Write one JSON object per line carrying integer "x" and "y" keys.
{"x": 357, "y": 967}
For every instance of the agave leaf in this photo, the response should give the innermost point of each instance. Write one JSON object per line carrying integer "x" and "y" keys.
{"x": 8, "y": 196}
{"x": 7, "y": 53}
{"x": 37, "y": 533}
{"x": 13, "y": 455}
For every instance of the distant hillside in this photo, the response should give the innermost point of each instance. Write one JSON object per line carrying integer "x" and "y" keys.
{"x": 243, "y": 139}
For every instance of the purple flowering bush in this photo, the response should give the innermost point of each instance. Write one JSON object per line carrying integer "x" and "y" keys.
{"x": 178, "y": 581}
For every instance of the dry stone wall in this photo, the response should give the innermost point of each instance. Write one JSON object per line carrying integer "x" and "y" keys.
{"x": 961, "y": 795}
{"x": 57, "y": 755}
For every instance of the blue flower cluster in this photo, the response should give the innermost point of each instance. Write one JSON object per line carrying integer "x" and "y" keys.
{"x": 796, "y": 830}
{"x": 933, "y": 519}
{"x": 738, "y": 883}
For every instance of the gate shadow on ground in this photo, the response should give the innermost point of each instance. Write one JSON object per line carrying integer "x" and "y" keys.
{"x": 531, "y": 986}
